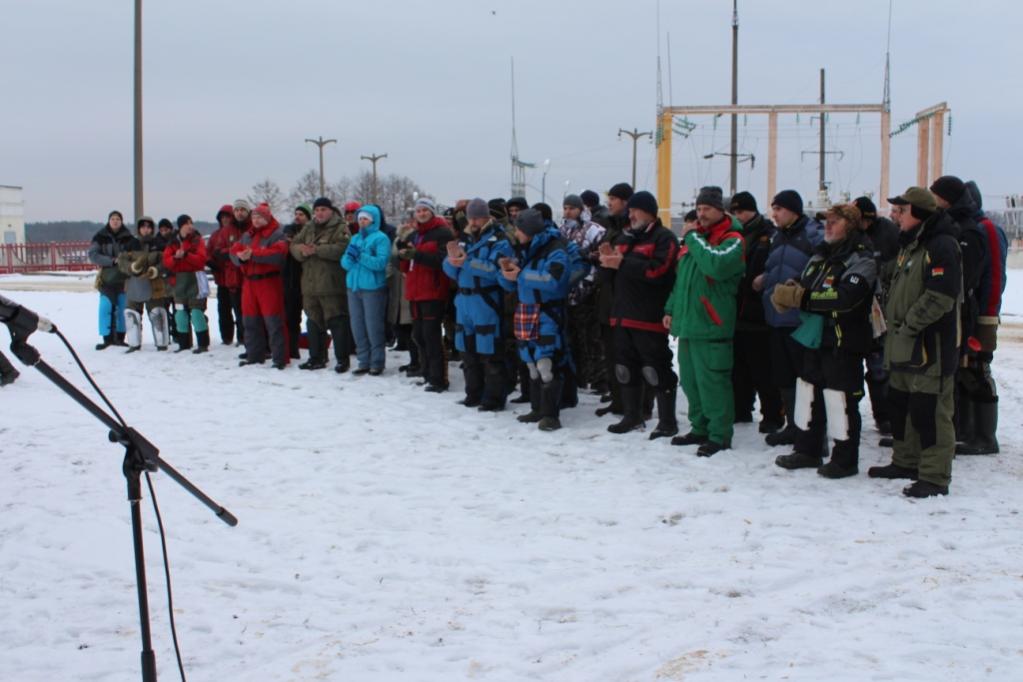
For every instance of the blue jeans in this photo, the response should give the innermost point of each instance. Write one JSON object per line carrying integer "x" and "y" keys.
{"x": 368, "y": 310}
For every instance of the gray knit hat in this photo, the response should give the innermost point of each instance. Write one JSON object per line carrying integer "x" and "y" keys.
{"x": 477, "y": 208}
{"x": 573, "y": 200}
{"x": 530, "y": 221}
{"x": 423, "y": 202}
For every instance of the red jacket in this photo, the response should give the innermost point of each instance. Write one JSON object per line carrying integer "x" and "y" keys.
{"x": 194, "y": 259}
{"x": 269, "y": 251}
{"x": 225, "y": 273}
{"x": 424, "y": 275}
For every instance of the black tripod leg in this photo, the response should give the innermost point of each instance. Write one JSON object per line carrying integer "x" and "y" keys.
{"x": 133, "y": 474}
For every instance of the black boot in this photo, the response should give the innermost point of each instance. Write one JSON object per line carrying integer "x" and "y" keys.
{"x": 107, "y": 341}
{"x": 798, "y": 460}
{"x": 844, "y": 461}
{"x": 711, "y": 448}
{"x": 524, "y": 382}
{"x": 8, "y": 373}
{"x": 965, "y": 418}
{"x": 667, "y": 422}
{"x": 570, "y": 390}
{"x": 892, "y": 471}
{"x": 317, "y": 338}
{"x": 535, "y": 403}
{"x": 786, "y": 436}
{"x": 494, "y": 391}
{"x": 922, "y": 489}
{"x": 184, "y": 342}
{"x": 550, "y": 405}
{"x": 985, "y": 428}
{"x": 689, "y": 439}
{"x": 632, "y": 399}
{"x": 615, "y": 405}
{"x": 119, "y": 339}
{"x": 202, "y": 342}
{"x": 472, "y": 370}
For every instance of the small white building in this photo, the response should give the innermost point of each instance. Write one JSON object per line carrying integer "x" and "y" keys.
{"x": 12, "y": 215}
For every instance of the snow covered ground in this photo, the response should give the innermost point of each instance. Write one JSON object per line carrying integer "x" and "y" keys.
{"x": 386, "y": 533}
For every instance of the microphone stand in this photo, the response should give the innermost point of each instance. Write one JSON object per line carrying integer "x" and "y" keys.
{"x": 139, "y": 455}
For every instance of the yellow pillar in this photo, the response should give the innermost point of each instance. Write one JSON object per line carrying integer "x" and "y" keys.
{"x": 937, "y": 146}
{"x": 886, "y": 145}
{"x": 772, "y": 155}
{"x": 922, "y": 151}
{"x": 664, "y": 170}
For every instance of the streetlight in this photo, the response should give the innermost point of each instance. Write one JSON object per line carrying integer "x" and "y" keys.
{"x": 635, "y": 135}
{"x": 543, "y": 181}
{"x": 321, "y": 143}
{"x": 373, "y": 158}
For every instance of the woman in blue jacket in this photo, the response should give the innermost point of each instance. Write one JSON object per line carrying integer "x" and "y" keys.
{"x": 366, "y": 260}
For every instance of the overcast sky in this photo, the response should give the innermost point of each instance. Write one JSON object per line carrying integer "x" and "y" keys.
{"x": 233, "y": 88}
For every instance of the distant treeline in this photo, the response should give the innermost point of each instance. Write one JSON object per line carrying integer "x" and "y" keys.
{"x": 79, "y": 230}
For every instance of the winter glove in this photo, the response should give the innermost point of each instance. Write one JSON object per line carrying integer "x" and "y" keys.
{"x": 787, "y": 296}
{"x": 353, "y": 252}
{"x": 407, "y": 253}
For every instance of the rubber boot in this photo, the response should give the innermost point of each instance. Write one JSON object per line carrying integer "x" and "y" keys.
{"x": 535, "y": 397}
{"x": 632, "y": 399}
{"x": 202, "y": 340}
{"x": 184, "y": 342}
{"x": 119, "y": 339}
{"x": 570, "y": 389}
{"x": 667, "y": 422}
{"x": 550, "y": 404}
{"x": 985, "y": 439}
{"x": 107, "y": 341}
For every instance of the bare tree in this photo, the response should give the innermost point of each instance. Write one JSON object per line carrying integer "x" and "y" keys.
{"x": 267, "y": 191}
{"x": 396, "y": 192}
{"x": 305, "y": 190}
{"x": 340, "y": 191}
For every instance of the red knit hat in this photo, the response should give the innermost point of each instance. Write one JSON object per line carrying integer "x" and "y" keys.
{"x": 352, "y": 206}
{"x": 264, "y": 210}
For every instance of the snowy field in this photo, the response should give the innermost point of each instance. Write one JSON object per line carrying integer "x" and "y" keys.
{"x": 390, "y": 534}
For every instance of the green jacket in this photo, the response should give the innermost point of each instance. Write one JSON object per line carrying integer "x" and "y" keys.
{"x": 922, "y": 310}
{"x": 321, "y": 273}
{"x": 703, "y": 304}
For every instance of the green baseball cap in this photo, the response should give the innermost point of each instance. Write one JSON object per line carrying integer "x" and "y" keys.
{"x": 916, "y": 196}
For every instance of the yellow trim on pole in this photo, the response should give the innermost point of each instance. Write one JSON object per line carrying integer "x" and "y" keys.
{"x": 664, "y": 169}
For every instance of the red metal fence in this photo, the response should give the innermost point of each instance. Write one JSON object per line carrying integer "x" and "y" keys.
{"x": 56, "y": 256}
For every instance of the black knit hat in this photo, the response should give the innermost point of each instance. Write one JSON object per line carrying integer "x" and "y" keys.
{"x": 690, "y": 216}
{"x": 164, "y": 222}
{"x": 184, "y": 219}
{"x": 644, "y": 201}
{"x": 517, "y": 202}
{"x": 545, "y": 210}
{"x": 867, "y": 208}
{"x": 790, "y": 199}
{"x": 590, "y": 198}
{"x": 948, "y": 187}
{"x": 743, "y": 201}
{"x": 324, "y": 202}
{"x": 530, "y": 222}
{"x": 711, "y": 195}
{"x": 622, "y": 190}
{"x": 497, "y": 209}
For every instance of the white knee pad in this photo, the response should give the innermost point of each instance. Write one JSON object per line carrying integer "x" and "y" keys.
{"x": 545, "y": 368}
{"x": 650, "y": 376}
{"x": 534, "y": 374}
{"x": 133, "y": 328}
{"x": 622, "y": 374}
{"x": 804, "y": 404}
{"x": 838, "y": 420}
{"x": 160, "y": 323}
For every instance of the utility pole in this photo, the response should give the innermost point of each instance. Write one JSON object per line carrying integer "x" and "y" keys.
{"x": 138, "y": 110}
{"x": 635, "y": 135}
{"x": 734, "y": 162}
{"x": 321, "y": 143}
{"x": 373, "y": 158}
{"x": 824, "y": 117}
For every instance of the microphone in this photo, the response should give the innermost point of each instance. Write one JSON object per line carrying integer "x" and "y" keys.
{"x": 21, "y": 321}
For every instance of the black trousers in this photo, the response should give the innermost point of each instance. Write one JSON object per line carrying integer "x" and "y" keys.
{"x": 293, "y": 317}
{"x": 644, "y": 357}
{"x": 751, "y": 376}
{"x": 428, "y": 335}
{"x": 229, "y": 314}
{"x": 842, "y": 376}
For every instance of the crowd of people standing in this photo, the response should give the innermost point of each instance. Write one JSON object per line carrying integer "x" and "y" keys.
{"x": 790, "y": 314}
